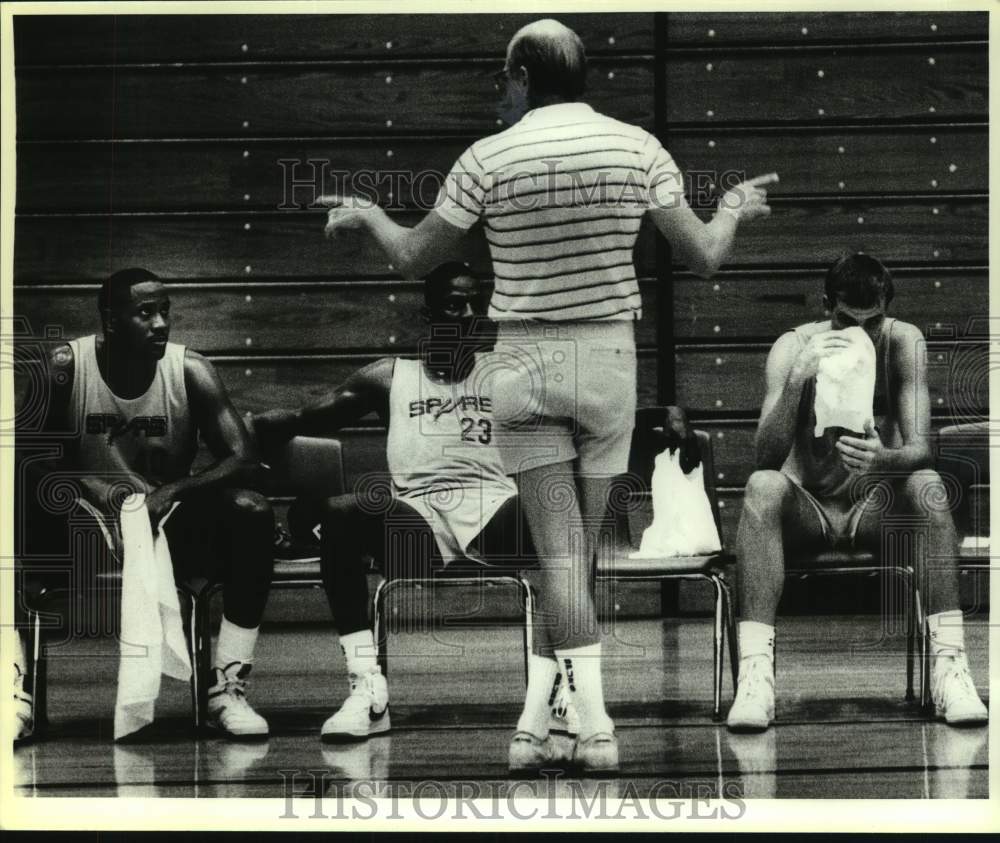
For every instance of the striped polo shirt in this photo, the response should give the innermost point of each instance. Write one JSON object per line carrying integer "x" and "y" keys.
{"x": 561, "y": 194}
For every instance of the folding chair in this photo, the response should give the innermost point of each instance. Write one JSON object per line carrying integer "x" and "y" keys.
{"x": 963, "y": 456}
{"x": 648, "y": 440}
{"x": 458, "y": 573}
{"x": 39, "y": 608}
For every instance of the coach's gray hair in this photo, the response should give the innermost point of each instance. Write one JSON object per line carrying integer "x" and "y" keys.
{"x": 554, "y": 57}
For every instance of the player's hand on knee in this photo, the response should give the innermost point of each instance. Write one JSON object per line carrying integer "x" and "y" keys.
{"x": 346, "y": 213}
{"x": 862, "y": 456}
{"x": 158, "y": 503}
{"x": 748, "y": 200}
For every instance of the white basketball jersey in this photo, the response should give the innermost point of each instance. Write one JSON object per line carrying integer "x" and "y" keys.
{"x": 152, "y": 435}
{"x": 441, "y": 454}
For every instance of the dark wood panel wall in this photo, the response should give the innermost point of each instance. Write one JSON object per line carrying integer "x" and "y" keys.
{"x": 877, "y": 124}
{"x": 195, "y": 145}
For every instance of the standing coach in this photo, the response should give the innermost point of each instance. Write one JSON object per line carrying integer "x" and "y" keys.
{"x": 562, "y": 193}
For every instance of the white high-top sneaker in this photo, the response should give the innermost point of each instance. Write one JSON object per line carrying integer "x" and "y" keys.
{"x": 228, "y": 709}
{"x": 956, "y": 700}
{"x": 365, "y": 712}
{"x": 753, "y": 708}
{"x": 24, "y": 709}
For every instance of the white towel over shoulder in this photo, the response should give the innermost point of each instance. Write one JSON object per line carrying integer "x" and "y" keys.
{"x": 152, "y": 637}
{"x": 845, "y": 385}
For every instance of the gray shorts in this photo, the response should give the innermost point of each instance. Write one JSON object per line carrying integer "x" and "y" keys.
{"x": 839, "y": 517}
{"x": 564, "y": 392}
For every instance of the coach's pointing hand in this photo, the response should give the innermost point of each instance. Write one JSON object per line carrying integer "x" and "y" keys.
{"x": 748, "y": 200}
{"x": 346, "y": 213}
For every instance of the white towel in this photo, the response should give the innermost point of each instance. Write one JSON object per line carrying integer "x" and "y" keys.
{"x": 152, "y": 637}
{"x": 683, "y": 523}
{"x": 845, "y": 385}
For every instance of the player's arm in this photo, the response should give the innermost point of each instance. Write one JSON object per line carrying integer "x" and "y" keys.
{"x": 914, "y": 404}
{"x": 779, "y": 411}
{"x": 789, "y": 366}
{"x": 364, "y": 392}
{"x": 223, "y": 432}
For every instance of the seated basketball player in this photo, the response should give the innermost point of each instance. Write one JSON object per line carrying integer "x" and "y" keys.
{"x": 809, "y": 493}
{"x": 450, "y": 496}
{"x": 129, "y": 407}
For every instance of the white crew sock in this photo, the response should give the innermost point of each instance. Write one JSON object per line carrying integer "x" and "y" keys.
{"x": 581, "y": 669}
{"x": 946, "y": 633}
{"x": 359, "y": 652}
{"x": 235, "y": 644}
{"x": 543, "y": 682}
{"x": 756, "y": 639}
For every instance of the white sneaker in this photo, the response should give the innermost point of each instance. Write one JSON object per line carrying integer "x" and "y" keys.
{"x": 365, "y": 712}
{"x": 564, "y": 717}
{"x": 598, "y": 753}
{"x": 956, "y": 700}
{"x": 753, "y": 708}
{"x": 228, "y": 709}
{"x": 24, "y": 709}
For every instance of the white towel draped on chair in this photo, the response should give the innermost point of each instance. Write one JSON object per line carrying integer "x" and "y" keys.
{"x": 152, "y": 636}
{"x": 683, "y": 523}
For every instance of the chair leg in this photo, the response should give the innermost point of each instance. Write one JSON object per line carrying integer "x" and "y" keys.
{"x": 529, "y": 621}
{"x": 201, "y": 636}
{"x": 924, "y": 653}
{"x": 717, "y": 651}
{"x": 380, "y": 630}
{"x": 39, "y": 676}
{"x": 911, "y": 634}
{"x": 190, "y": 635}
{"x": 731, "y": 634}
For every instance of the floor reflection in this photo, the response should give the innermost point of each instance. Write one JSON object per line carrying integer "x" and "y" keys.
{"x": 757, "y": 759}
{"x": 951, "y": 754}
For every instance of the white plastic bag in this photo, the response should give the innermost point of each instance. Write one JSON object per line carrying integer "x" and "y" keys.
{"x": 683, "y": 524}
{"x": 845, "y": 385}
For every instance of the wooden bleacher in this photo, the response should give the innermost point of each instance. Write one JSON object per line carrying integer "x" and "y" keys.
{"x": 161, "y": 146}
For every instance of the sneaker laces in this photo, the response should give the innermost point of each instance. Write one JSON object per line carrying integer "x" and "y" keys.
{"x": 363, "y": 691}
{"x": 962, "y": 686}
{"x": 235, "y": 684}
{"x": 752, "y": 680}
{"x": 19, "y": 693}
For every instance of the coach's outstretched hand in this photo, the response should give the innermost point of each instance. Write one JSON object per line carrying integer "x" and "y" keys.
{"x": 748, "y": 200}
{"x": 346, "y": 213}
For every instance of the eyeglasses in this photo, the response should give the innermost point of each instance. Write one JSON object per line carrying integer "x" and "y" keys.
{"x": 500, "y": 79}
